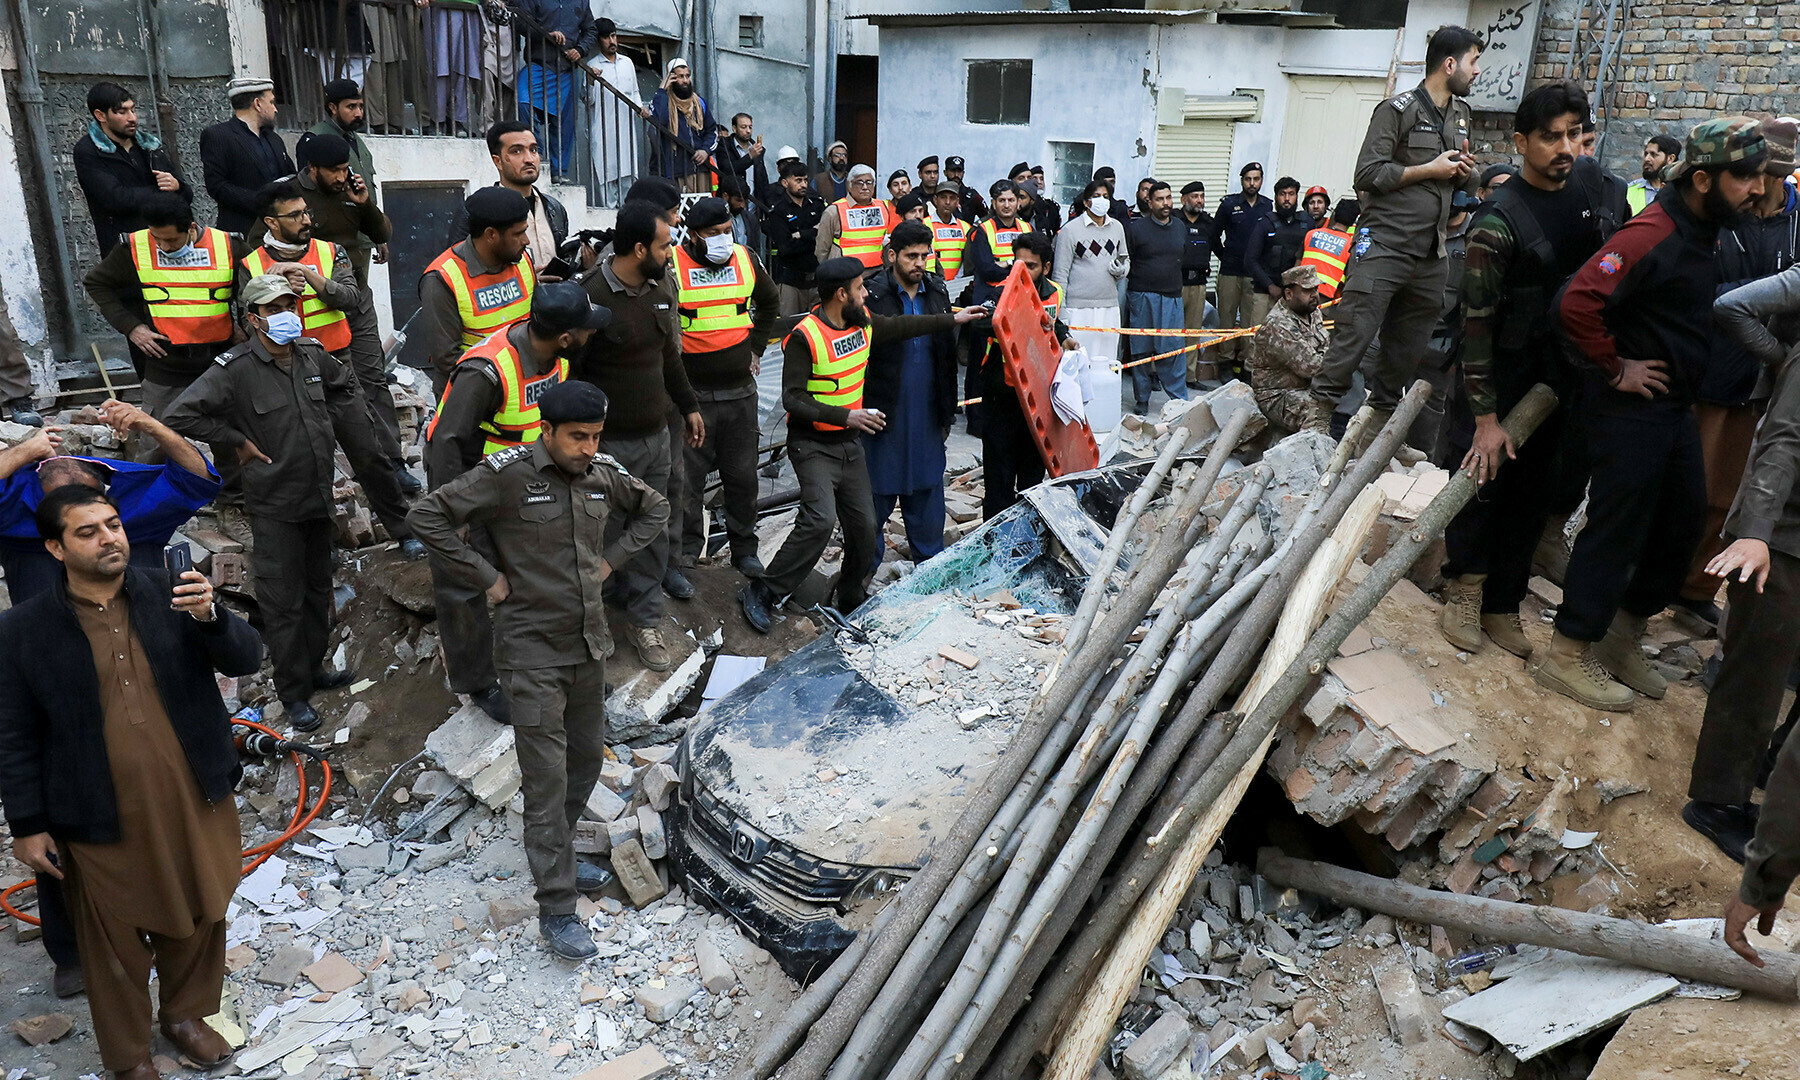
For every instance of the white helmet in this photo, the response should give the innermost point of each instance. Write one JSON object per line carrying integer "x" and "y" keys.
{"x": 785, "y": 153}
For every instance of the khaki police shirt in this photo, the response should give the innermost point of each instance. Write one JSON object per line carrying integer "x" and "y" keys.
{"x": 1408, "y": 130}
{"x": 549, "y": 537}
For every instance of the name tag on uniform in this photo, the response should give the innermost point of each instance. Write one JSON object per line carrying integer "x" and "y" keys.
{"x": 536, "y": 390}
{"x": 597, "y": 496}
{"x": 198, "y": 258}
{"x": 864, "y": 217}
{"x": 1333, "y": 245}
{"x": 847, "y": 344}
{"x": 1007, "y": 236}
{"x": 531, "y": 500}
{"x": 314, "y": 378}
{"x": 499, "y": 295}
{"x": 703, "y": 277}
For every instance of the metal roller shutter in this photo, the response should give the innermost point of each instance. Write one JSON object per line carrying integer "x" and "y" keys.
{"x": 1193, "y": 150}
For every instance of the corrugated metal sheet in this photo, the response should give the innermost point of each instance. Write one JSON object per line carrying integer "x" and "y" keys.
{"x": 1196, "y": 150}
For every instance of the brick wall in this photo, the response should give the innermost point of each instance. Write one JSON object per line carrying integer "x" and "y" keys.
{"x": 1678, "y": 64}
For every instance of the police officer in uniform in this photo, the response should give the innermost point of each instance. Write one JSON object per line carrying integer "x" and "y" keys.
{"x": 1414, "y": 156}
{"x": 478, "y": 285}
{"x": 823, "y": 366}
{"x": 546, "y": 506}
{"x": 333, "y": 306}
{"x": 989, "y": 254}
{"x": 491, "y": 404}
{"x": 728, "y": 305}
{"x": 281, "y": 404}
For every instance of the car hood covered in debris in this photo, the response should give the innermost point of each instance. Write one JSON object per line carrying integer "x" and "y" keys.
{"x": 820, "y": 784}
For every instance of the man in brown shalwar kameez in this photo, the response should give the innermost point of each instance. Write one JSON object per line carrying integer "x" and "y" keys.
{"x": 116, "y": 770}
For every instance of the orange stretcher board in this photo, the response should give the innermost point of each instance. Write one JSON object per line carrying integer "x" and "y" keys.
{"x": 1031, "y": 354}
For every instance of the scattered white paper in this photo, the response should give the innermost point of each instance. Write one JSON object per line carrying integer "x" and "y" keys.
{"x": 728, "y": 673}
{"x": 344, "y": 834}
{"x": 1575, "y": 841}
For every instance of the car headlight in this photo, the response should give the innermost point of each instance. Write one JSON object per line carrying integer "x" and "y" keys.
{"x": 875, "y": 883}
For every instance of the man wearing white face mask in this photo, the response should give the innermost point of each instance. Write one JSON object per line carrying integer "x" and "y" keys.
{"x": 281, "y": 405}
{"x": 728, "y": 305}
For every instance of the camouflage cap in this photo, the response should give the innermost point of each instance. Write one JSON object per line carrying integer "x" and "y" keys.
{"x": 1302, "y": 276}
{"x": 1724, "y": 141}
{"x": 266, "y": 288}
{"x": 1781, "y": 135}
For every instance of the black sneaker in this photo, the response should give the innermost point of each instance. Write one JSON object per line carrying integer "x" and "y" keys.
{"x": 493, "y": 702}
{"x": 676, "y": 584}
{"x": 591, "y": 878}
{"x": 748, "y": 565}
{"x": 301, "y": 715}
{"x": 566, "y": 937}
{"x": 755, "y": 600}
{"x": 1729, "y": 827}
{"x": 21, "y": 412}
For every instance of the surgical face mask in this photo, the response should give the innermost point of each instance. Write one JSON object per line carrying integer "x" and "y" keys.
{"x": 283, "y": 327}
{"x": 718, "y": 249}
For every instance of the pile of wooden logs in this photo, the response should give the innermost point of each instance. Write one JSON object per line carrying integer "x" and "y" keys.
{"x": 1024, "y": 935}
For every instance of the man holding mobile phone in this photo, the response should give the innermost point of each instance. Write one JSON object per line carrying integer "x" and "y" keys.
{"x": 117, "y": 769}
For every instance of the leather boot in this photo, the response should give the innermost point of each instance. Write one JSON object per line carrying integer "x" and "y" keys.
{"x": 1317, "y": 416}
{"x": 1506, "y": 632}
{"x": 1620, "y": 654}
{"x": 1461, "y": 620}
{"x": 1569, "y": 668}
{"x": 198, "y": 1042}
{"x": 1378, "y": 419}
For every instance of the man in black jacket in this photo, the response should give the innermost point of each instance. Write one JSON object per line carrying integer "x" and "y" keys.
{"x": 243, "y": 153}
{"x": 1240, "y": 220}
{"x": 1277, "y": 246}
{"x": 117, "y": 769}
{"x": 117, "y": 166}
{"x": 791, "y": 226}
{"x": 913, "y": 382}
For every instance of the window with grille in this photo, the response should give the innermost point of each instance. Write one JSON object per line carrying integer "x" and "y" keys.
{"x": 1071, "y": 167}
{"x": 999, "y": 92}
{"x": 750, "y": 31}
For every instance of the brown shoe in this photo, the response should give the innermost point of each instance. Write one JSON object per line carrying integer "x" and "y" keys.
{"x": 146, "y": 1071}
{"x": 1507, "y": 632}
{"x": 1621, "y": 653}
{"x": 651, "y": 648}
{"x": 198, "y": 1042}
{"x": 1461, "y": 618}
{"x": 1570, "y": 668}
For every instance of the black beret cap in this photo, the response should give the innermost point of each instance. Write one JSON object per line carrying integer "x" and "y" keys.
{"x": 496, "y": 207}
{"x": 707, "y": 212}
{"x": 323, "y": 149}
{"x": 838, "y": 271}
{"x": 573, "y": 402}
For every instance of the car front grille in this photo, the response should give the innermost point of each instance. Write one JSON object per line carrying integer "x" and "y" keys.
{"x": 772, "y": 862}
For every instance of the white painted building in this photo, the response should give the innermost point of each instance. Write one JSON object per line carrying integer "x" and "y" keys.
{"x": 1178, "y": 95}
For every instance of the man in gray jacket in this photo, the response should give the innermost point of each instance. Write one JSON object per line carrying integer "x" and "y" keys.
{"x": 1761, "y": 567}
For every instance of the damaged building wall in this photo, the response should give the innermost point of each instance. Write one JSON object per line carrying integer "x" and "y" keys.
{"x": 76, "y": 45}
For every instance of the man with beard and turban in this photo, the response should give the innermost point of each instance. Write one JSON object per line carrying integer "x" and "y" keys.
{"x": 824, "y": 362}
{"x": 1640, "y": 314}
{"x": 1414, "y": 158}
{"x": 679, "y": 108}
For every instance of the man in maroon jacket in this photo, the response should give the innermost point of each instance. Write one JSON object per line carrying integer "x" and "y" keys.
{"x": 1640, "y": 312}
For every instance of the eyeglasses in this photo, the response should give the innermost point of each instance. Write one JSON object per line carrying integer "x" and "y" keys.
{"x": 294, "y": 215}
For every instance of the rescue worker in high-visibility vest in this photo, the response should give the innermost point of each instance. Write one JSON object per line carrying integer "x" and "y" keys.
{"x": 727, "y": 304}
{"x": 168, "y": 289}
{"x": 857, "y": 225}
{"x": 1327, "y": 249}
{"x": 989, "y": 255}
{"x": 332, "y": 305}
{"x": 479, "y": 284}
{"x": 489, "y": 405}
{"x": 824, "y": 361}
{"x": 1010, "y": 458}
{"x": 949, "y": 233}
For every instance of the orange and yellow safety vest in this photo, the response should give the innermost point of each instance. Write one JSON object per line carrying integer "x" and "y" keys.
{"x": 486, "y": 302}
{"x": 320, "y": 320}
{"x": 840, "y": 359}
{"x": 188, "y": 295}
{"x": 1327, "y": 251}
{"x": 713, "y": 301}
{"x": 516, "y": 422}
{"x": 865, "y": 229}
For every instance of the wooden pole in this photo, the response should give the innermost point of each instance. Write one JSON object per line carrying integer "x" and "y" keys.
{"x": 1656, "y": 948}
{"x": 1119, "y": 974}
{"x": 1223, "y": 784}
{"x": 1176, "y": 753}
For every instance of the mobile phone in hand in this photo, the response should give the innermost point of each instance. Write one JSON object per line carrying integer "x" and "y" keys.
{"x": 178, "y": 559}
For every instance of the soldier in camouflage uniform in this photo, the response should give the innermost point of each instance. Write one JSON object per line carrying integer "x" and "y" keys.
{"x": 1288, "y": 350}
